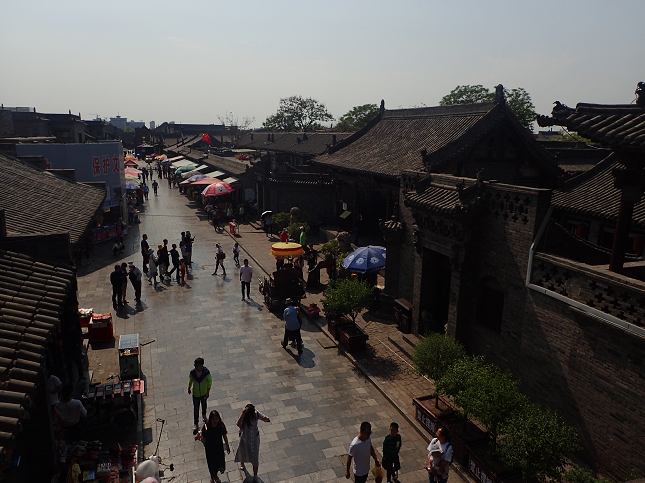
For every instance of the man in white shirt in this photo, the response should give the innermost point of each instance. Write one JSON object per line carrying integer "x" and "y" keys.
{"x": 246, "y": 275}
{"x": 70, "y": 414}
{"x": 360, "y": 451}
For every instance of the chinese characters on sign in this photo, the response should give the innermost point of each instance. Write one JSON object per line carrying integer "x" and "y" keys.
{"x": 115, "y": 160}
{"x": 96, "y": 167}
{"x": 106, "y": 164}
{"x": 426, "y": 421}
{"x": 479, "y": 473}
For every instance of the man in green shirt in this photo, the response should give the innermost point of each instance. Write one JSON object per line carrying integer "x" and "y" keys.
{"x": 303, "y": 237}
{"x": 200, "y": 382}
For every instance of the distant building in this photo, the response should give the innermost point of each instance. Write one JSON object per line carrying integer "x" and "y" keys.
{"x": 120, "y": 122}
{"x": 152, "y": 125}
{"x": 135, "y": 124}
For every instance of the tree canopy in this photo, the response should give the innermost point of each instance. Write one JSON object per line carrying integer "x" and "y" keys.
{"x": 518, "y": 101}
{"x": 357, "y": 117}
{"x": 297, "y": 113}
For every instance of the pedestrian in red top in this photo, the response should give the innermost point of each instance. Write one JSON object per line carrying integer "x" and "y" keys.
{"x": 284, "y": 236}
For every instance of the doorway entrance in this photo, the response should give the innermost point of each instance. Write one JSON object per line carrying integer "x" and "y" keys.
{"x": 435, "y": 292}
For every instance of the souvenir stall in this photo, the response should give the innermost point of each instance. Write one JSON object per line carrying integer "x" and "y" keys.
{"x": 103, "y": 450}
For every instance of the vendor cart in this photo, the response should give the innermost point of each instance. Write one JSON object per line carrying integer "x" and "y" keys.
{"x": 283, "y": 284}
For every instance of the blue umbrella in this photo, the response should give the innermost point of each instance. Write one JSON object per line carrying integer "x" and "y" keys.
{"x": 365, "y": 260}
{"x": 131, "y": 186}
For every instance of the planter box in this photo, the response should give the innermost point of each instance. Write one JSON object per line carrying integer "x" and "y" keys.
{"x": 486, "y": 468}
{"x": 430, "y": 416}
{"x": 463, "y": 436}
{"x": 333, "y": 324}
{"x": 352, "y": 337}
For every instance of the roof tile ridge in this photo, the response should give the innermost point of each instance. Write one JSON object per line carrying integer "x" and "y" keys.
{"x": 576, "y": 181}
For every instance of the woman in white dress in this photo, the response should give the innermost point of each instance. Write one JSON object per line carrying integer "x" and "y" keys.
{"x": 152, "y": 268}
{"x": 249, "y": 449}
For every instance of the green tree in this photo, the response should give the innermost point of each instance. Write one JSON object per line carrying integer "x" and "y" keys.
{"x": 467, "y": 95}
{"x": 347, "y": 297}
{"x": 536, "y": 441}
{"x": 435, "y": 354}
{"x": 297, "y": 113}
{"x": 460, "y": 380}
{"x": 281, "y": 221}
{"x": 582, "y": 475}
{"x": 518, "y": 101}
{"x": 357, "y": 117}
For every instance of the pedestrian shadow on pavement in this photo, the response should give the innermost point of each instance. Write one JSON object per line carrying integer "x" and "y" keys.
{"x": 255, "y": 305}
{"x": 126, "y": 311}
{"x": 248, "y": 477}
{"x": 387, "y": 367}
{"x": 304, "y": 360}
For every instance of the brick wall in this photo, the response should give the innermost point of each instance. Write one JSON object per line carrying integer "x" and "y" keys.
{"x": 589, "y": 370}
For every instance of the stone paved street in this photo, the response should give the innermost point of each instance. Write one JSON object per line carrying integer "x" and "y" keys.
{"x": 315, "y": 402}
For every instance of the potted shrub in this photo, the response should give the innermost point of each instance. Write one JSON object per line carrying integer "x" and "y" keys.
{"x": 345, "y": 299}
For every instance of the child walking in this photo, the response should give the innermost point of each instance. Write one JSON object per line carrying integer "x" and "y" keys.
{"x": 391, "y": 448}
{"x": 236, "y": 255}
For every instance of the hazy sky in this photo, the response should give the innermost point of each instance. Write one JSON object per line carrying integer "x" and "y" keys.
{"x": 190, "y": 61}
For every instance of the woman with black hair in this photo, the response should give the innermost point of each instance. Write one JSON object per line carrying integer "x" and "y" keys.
{"x": 249, "y": 448}
{"x": 213, "y": 432}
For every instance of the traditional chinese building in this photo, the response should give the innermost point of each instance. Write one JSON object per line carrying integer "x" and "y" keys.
{"x": 458, "y": 140}
{"x": 521, "y": 273}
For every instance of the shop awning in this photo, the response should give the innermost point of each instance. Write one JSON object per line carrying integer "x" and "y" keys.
{"x": 183, "y": 162}
{"x": 217, "y": 174}
{"x": 345, "y": 214}
{"x": 233, "y": 181}
{"x": 197, "y": 170}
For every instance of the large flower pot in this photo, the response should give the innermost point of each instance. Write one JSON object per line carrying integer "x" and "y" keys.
{"x": 333, "y": 323}
{"x": 432, "y": 412}
{"x": 352, "y": 337}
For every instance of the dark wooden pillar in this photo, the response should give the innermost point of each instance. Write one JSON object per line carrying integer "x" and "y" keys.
{"x": 630, "y": 184}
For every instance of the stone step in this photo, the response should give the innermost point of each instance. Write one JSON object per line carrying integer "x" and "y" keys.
{"x": 402, "y": 346}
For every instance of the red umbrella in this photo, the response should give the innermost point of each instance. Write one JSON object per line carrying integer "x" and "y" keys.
{"x": 129, "y": 162}
{"x": 217, "y": 189}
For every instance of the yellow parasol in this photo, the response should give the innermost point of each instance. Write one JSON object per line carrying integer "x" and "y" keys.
{"x": 282, "y": 249}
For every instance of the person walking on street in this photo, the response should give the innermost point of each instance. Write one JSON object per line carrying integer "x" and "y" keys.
{"x": 249, "y": 449}
{"x": 219, "y": 256}
{"x": 169, "y": 180}
{"x": 155, "y": 186}
{"x": 164, "y": 260}
{"x": 152, "y": 273}
{"x": 440, "y": 475}
{"x": 246, "y": 275}
{"x": 116, "y": 279}
{"x": 146, "y": 189}
{"x": 303, "y": 237}
{"x": 145, "y": 248}
{"x": 236, "y": 254}
{"x": 174, "y": 257}
{"x": 135, "y": 279}
{"x": 213, "y": 432}
{"x": 284, "y": 235}
{"x": 359, "y": 454}
{"x": 391, "y": 448}
{"x": 124, "y": 285}
{"x": 199, "y": 385}
{"x": 268, "y": 223}
{"x": 292, "y": 324}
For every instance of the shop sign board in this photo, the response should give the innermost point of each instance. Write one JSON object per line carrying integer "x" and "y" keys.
{"x": 94, "y": 162}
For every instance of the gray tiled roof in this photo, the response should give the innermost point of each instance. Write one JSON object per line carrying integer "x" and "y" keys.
{"x": 620, "y": 125}
{"x": 38, "y": 202}
{"x": 31, "y": 297}
{"x": 593, "y": 195}
{"x": 393, "y": 141}
{"x": 441, "y": 195}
